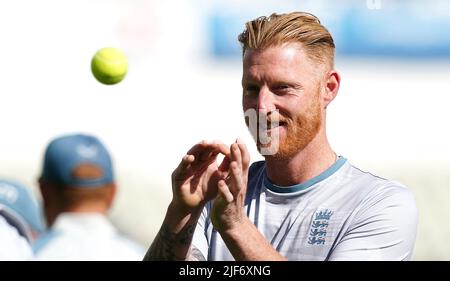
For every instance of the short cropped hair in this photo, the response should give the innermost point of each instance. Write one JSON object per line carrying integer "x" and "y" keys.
{"x": 295, "y": 27}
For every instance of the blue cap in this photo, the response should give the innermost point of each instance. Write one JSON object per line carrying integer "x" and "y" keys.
{"x": 64, "y": 154}
{"x": 20, "y": 208}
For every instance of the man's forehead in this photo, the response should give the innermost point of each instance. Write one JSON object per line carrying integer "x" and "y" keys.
{"x": 280, "y": 61}
{"x": 285, "y": 53}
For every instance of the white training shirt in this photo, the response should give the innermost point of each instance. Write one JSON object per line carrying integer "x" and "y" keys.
{"x": 85, "y": 236}
{"x": 13, "y": 246}
{"x": 341, "y": 214}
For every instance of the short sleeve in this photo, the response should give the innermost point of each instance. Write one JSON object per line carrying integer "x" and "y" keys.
{"x": 384, "y": 228}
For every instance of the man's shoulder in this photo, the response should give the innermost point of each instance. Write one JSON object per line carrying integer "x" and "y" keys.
{"x": 361, "y": 179}
{"x": 45, "y": 240}
{"x": 376, "y": 190}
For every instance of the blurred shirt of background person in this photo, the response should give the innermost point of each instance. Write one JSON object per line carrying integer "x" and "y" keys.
{"x": 14, "y": 247}
{"x": 20, "y": 221}
{"x": 78, "y": 189}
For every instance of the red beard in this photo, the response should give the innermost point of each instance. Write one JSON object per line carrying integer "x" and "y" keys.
{"x": 299, "y": 133}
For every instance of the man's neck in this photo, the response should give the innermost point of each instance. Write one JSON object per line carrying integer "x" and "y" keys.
{"x": 315, "y": 158}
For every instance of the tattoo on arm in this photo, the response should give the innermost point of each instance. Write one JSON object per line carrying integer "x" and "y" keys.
{"x": 167, "y": 244}
{"x": 195, "y": 255}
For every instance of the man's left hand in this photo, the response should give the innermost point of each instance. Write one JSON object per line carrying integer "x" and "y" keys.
{"x": 228, "y": 209}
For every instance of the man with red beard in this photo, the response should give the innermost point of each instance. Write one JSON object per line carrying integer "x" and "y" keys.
{"x": 304, "y": 202}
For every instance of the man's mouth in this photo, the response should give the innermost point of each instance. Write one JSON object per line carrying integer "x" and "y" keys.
{"x": 272, "y": 125}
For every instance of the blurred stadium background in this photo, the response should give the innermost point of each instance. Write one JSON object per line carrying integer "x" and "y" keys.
{"x": 183, "y": 85}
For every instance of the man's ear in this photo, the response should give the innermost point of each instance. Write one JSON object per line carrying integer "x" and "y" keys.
{"x": 332, "y": 82}
{"x": 111, "y": 194}
{"x": 44, "y": 188}
{"x": 50, "y": 201}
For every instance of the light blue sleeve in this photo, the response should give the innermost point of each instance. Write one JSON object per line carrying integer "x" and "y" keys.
{"x": 384, "y": 228}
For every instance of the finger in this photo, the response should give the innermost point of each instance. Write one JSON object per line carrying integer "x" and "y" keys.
{"x": 224, "y": 192}
{"x": 207, "y": 150}
{"x": 203, "y": 152}
{"x": 182, "y": 168}
{"x": 225, "y": 165}
{"x": 236, "y": 154}
{"x": 245, "y": 154}
{"x": 208, "y": 153}
{"x": 197, "y": 148}
{"x": 221, "y": 147}
{"x": 235, "y": 178}
{"x": 212, "y": 150}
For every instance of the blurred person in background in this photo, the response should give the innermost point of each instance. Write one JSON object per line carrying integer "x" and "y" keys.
{"x": 304, "y": 202}
{"x": 20, "y": 221}
{"x": 78, "y": 189}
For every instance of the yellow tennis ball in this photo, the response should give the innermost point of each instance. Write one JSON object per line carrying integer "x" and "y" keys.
{"x": 109, "y": 65}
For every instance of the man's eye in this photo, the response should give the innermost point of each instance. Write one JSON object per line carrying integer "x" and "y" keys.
{"x": 251, "y": 90}
{"x": 282, "y": 87}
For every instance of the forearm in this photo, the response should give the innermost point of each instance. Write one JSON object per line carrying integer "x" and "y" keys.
{"x": 246, "y": 243}
{"x": 175, "y": 236}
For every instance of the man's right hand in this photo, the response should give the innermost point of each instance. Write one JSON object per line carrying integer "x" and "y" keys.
{"x": 195, "y": 180}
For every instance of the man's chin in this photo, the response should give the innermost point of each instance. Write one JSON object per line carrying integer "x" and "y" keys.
{"x": 276, "y": 156}
{"x": 270, "y": 150}
{"x": 283, "y": 151}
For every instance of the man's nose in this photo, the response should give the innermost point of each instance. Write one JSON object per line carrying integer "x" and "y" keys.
{"x": 265, "y": 100}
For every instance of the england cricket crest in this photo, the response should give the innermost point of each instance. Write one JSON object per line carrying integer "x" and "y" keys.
{"x": 319, "y": 225}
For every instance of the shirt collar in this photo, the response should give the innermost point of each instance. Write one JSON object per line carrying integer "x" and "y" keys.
{"x": 83, "y": 222}
{"x": 302, "y": 186}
